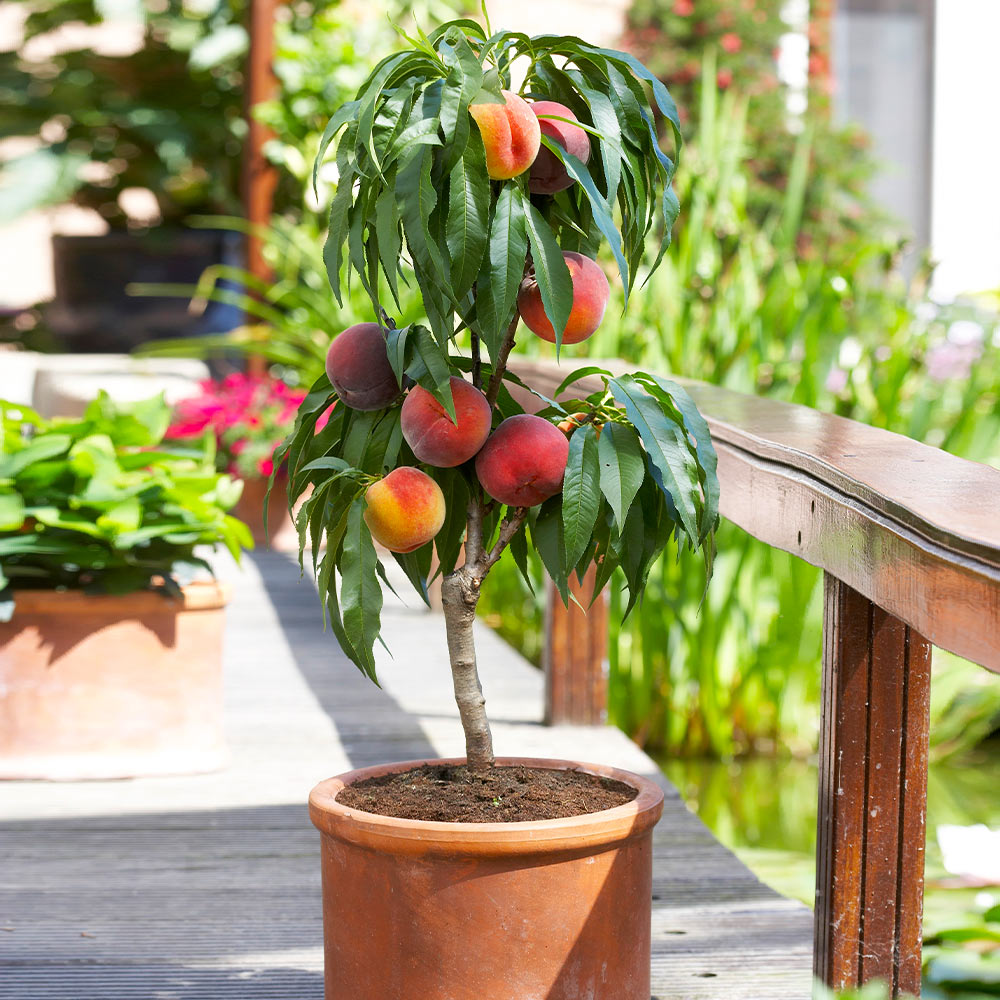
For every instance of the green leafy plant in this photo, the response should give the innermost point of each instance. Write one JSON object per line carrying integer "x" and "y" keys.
{"x": 102, "y": 503}
{"x": 434, "y": 157}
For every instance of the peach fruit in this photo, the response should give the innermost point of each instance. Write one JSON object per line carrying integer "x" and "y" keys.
{"x": 432, "y": 436}
{"x": 548, "y": 175}
{"x": 404, "y": 510}
{"x": 357, "y": 364}
{"x": 590, "y": 298}
{"x": 511, "y": 135}
{"x": 523, "y": 461}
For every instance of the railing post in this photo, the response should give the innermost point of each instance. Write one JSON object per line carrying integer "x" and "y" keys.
{"x": 575, "y": 654}
{"x": 872, "y": 795}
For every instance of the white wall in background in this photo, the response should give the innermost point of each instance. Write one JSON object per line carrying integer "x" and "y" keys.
{"x": 965, "y": 220}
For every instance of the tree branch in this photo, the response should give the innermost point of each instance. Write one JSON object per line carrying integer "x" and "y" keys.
{"x": 500, "y": 364}
{"x": 509, "y": 527}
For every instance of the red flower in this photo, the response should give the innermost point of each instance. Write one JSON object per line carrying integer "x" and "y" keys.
{"x": 683, "y": 8}
{"x": 724, "y": 78}
{"x": 731, "y": 42}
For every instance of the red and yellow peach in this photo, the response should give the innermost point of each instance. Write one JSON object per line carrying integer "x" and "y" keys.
{"x": 431, "y": 435}
{"x": 357, "y": 364}
{"x": 523, "y": 461}
{"x": 590, "y": 299}
{"x": 548, "y": 175}
{"x": 404, "y": 510}
{"x": 511, "y": 135}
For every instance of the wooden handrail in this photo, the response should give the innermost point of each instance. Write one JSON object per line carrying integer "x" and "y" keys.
{"x": 909, "y": 539}
{"x": 912, "y": 528}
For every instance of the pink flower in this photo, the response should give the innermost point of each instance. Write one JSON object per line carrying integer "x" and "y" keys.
{"x": 266, "y": 466}
{"x": 683, "y": 8}
{"x": 731, "y": 42}
{"x": 724, "y": 78}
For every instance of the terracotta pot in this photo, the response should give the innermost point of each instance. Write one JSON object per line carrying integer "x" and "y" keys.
{"x": 552, "y": 910}
{"x": 95, "y": 686}
{"x": 281, "y": 534}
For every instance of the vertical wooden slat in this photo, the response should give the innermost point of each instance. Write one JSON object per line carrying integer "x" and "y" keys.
{"x": 574, "y": 655}
{"x": 260, "y": 178}
{"x": 872, "y": 795}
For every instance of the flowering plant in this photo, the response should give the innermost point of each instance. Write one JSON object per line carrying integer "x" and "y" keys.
{"x": 248, "y": 415}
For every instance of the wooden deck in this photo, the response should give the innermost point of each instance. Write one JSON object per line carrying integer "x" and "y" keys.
{"x": 207, "y": 887}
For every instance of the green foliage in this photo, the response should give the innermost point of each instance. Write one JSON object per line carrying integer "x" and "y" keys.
{"x": 964, "y": 961}
{"x": 412, "y": 173}
{"x": 103, "y": 504}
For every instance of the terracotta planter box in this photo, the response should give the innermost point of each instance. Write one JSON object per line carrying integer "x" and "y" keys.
{"x": 95, "y": 686}
{"x": 551, "y": 910}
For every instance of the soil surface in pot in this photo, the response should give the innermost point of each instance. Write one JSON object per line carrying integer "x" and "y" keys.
{"x": 450, "y": 794}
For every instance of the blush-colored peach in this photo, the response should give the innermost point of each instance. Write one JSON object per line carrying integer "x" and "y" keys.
{"x": 590, "y": 299}
{"x": 404, "y": 510}
{"x": 357, "y": 364}
{"x": 523, "y": 461}
{"x": 548, "y": 175}
{"x": 432, "y": 436}
{"x": 511, "y": 135}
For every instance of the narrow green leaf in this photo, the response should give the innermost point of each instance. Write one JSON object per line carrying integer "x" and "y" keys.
{"x": 333, "y": 252}
{"x": 554, "y": 282}
{"x": 674, "y": 467}
{"x": 547, "y": 534}
{"x": 468, "y": 217}
{"x": 360, "y": 590}
{"x": 503, "y": 268}
{"x": 340, "y": 118}
{"x": 581, "y": 494}
{"x": 622, "y": 468}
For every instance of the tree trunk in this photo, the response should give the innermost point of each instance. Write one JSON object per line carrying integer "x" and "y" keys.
{"x": 459, "y": 595}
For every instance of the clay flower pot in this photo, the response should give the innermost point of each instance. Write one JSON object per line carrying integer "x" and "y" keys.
{"x": 100, "y": 686}
{"x": 280, "y": 534}
{"x": 557, "y": 909}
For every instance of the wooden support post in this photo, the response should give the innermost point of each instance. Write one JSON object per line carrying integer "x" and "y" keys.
{"x": 872, "y": 795}
{"x": 576, "y": 643}
{"x": 260, "y": 178}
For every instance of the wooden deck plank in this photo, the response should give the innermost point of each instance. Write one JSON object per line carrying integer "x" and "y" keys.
{"x": 208, "y": 886}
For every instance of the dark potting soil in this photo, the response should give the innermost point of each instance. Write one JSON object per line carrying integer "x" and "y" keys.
{"x": 452, "y": 794}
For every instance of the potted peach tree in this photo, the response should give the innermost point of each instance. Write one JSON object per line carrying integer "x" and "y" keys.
{"x": 506, "y": 879}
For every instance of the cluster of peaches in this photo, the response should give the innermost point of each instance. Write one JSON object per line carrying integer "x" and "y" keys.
{"x": 522, "y": 462}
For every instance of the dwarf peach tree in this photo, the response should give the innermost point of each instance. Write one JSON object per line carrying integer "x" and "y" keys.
{"x": 496, "y": 203}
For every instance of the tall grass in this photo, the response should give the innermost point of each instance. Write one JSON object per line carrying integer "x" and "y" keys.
{"x": 755, "y": 309}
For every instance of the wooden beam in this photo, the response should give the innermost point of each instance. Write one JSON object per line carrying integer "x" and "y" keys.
{"x": 576, "y": 645}
{"x": 872, "y": 795}
{"x": 260, "y": 178}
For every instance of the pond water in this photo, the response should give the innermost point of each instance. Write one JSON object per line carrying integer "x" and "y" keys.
{"x": 764, "y": 809}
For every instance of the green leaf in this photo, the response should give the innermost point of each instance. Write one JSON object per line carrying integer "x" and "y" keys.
{"x": 547, "y": 534}
{"x": 468, "y": 217}
{"x": 554, "y": 282}
{"x": 360, "y": 590}
{"x": 581, "y": 494}
{"x": 341, "y": 117}
{"x": 503, "y": 268}
{"x": 665, "y": 440}
{"x": 622, "y": 468}
{"x": 519, "y": 553}
{"x": 11, "y": 511}
{"x": 43, "y": 447}
{"x": 333, "y": 253}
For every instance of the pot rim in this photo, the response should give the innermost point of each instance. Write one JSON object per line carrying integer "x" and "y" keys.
{"x": 200, "y": 595}
{"x": 587, "y": 832}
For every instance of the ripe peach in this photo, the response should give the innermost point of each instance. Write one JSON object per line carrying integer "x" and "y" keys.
{"x": 511, "y": 135}
{"x": 590, "y": 298}
{"x": 548, "y": 175}
{"x": 357, "y": 364}
{"x": 404, "y": 510}
{"x": 428, "y": 429}
{"x": 523, "y": 461}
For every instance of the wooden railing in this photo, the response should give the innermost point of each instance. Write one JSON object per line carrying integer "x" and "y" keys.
{"x": 909, "y": 539}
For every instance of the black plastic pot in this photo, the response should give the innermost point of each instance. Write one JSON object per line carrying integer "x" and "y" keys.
{"x": 92, "y": 311}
